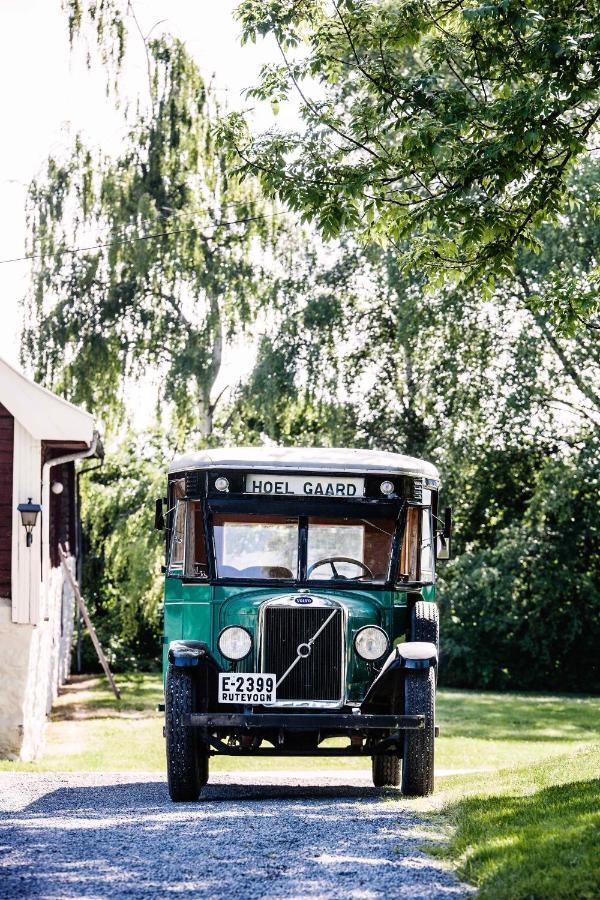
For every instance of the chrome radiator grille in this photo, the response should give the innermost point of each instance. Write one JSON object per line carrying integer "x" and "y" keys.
{"x": 317, "y": 675}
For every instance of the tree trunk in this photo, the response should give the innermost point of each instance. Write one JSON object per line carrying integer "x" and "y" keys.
{"x": 570, "y": 370}
{"x": 207, "y": 406}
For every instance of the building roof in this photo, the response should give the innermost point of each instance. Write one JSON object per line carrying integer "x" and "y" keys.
{"x": 326, "y": 459}
{"x": 43, "y": 414}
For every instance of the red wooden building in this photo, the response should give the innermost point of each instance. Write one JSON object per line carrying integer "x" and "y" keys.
{"x": 41, "y": 438}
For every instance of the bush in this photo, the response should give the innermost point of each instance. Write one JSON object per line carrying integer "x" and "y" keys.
{"x": 122, "y": 581}
{"x": 525, "y": 613}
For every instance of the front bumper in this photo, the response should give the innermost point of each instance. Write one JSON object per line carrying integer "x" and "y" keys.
{"x": 305, "y": 722}
{"x": 376, "y": 734}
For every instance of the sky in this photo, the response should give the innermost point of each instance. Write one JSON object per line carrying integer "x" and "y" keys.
{"x": 48, "y": 96}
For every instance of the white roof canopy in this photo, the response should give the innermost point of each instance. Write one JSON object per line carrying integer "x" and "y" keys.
{"x": 43, "y": 414}
{"x": 326, "y": 459}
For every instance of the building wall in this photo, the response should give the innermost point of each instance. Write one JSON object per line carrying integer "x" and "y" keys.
{"x": 36, "y": 615}
{"x": 34, "y": 662}
{"x": 6, "y": 498}
{"x": 26, "y": 561}
{"x": 62, "y": 511}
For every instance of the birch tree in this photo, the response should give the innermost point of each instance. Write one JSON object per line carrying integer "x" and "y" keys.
{"x": 149, "y": 260}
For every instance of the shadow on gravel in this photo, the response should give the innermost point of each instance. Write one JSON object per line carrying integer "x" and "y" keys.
{"x": 135, "y": 796}
{"x": 239, "y": 842}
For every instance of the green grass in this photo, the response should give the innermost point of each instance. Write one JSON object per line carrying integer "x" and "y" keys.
{"x": 532, "y": 833}
{"x": 519, "y": 788}
{"x": 89, "y": 732}
{"x": 490, "y": 730}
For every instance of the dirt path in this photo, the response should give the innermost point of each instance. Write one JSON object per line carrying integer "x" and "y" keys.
{"x": 96, "y": 836}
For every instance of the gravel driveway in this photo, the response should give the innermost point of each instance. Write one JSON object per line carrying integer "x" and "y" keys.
{"x": 286, "y": 834}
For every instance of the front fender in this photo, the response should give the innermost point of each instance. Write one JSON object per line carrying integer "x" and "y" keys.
{"x": 386, "y": 692}
{"x": 187, "y": 653}
{"x": 205, "y": 670}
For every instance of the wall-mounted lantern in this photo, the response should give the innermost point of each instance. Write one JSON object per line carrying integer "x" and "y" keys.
{"x": 29, "y": 513}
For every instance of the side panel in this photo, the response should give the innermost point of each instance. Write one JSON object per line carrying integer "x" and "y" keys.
{"x": 401, "y": 607}
{"x": 400, "y": 614}
{"x": 188, "y": 613}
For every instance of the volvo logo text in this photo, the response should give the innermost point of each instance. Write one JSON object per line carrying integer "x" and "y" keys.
{"x": 303, "y": 601}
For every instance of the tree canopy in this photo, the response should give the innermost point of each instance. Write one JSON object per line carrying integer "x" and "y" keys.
{"x": 167, "y": 277}
{"x": 363, "y": 340}
{"x": 445, "y": 128}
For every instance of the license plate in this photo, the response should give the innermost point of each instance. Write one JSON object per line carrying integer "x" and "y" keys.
{"x": 249, "y": 687}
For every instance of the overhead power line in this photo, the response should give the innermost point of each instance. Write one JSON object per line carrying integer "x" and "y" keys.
{"x": 148, "y": 237}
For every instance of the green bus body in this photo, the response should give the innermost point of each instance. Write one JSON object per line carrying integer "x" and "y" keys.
{"x": 299, "y": 607}
{"x": 201, "y": 611}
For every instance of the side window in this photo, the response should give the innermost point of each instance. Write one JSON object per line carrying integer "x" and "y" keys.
{"x": 177, "y": 554}
{"x": 408, "y": 567}
{"x": 426, "y": 546}
{"x": 196, "y": 564}
{"x": 416, "y": 553}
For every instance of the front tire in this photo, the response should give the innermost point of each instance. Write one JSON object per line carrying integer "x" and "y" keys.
{"x": 425, "y": 624}
{"x": 417, "y": 763}
{"x": 187, "y": 759}
{"x": 386, "y": 770}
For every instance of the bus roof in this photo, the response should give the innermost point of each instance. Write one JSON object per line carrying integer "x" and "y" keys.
{"x": 310, "y": 459}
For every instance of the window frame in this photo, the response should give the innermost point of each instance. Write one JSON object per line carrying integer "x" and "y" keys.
{"x": 179, "y": 571}
{"x": 398, "y": 512}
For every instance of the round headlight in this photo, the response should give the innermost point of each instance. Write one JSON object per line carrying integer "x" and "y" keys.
{"x": 222, "y": 483}
{"x": 234, "y": 643}
{"x": 371, "y": 642}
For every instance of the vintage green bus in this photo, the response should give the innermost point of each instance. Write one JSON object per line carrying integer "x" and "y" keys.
{"x": 300, "y": 606}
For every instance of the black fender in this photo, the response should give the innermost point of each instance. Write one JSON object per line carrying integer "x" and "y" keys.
{"x": 387, "y": 690}
{"x": 205, "y": 670}
{"x": 188, "y": 653}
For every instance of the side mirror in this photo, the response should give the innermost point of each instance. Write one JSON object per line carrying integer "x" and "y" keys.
{"x": 444, "y": 537}
{"x": 159, "y": 519}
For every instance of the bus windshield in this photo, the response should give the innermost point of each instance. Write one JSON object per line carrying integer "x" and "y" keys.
{"x": 256, "y": 546}
{"x": 268, "y": 547}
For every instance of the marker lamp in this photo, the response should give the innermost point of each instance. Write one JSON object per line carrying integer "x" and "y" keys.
{"x": 386, "y": 488}
{"x": 222, "y": 483}
{"x": 234, "y": 643}
{"x": 371, "y": 642}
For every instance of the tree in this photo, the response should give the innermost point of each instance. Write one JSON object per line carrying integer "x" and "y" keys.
{"x": 524, "y": 613}
{"x": 172, "y": 269}
{"x": 293, "y": 394}
{"x": 507, "y": 408}
{"x": 445, "y": 128}
{"x": 177, "y": 248}
{"x": 123, "y": 553}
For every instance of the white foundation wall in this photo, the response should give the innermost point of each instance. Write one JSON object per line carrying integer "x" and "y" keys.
{"x": 59, "y": 608}
{"x": 15, "y": 656}
{"x": 34, "y": 662}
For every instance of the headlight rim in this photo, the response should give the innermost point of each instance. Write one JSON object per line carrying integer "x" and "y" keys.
{"x": 238, "y": 658}
{"x": 366, "y": 658}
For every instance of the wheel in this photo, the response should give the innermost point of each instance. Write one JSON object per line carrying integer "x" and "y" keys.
{"x": 187, "y": 759}
{"x": 425, "y": 623}
{"x": 417, "y": 763}
{"x": 386, "y": 770}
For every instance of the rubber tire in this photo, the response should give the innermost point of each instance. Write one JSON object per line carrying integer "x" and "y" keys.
{"x": 417, "y": 763}
{"x": 187, "y": 761}
{"x": 386, "y": 770}
{"x": 425, "y": 623}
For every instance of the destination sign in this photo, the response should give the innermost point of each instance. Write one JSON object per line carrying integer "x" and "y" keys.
{"x": 305, "y": 485}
